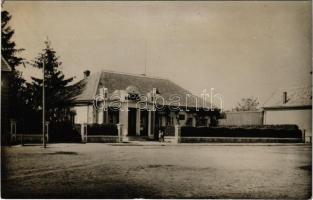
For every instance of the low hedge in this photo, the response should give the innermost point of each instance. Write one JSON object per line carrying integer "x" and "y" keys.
{"x": 274, "y": 126}
{"x": 34, "y": 127}
{"x": 102, "y": 129}
{"x": 63, "y": 132}
{"x": 267, "y": 131}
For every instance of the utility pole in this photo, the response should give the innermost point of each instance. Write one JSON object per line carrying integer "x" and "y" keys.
{"x": 43, "y": 104}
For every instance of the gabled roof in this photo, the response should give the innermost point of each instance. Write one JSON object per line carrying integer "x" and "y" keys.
{"x": 296, "y": 97}
{"x": 5, "y": 67}
{"x": 114, "y": 81}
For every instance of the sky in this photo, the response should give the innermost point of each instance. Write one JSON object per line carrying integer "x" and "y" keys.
{"x": 239, "y": 48}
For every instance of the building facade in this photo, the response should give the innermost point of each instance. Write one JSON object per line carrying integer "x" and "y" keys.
{"x": 140, "y": 103}
{"x": 291, "y": 106}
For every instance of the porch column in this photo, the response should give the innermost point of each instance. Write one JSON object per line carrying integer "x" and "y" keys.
{"x": 106, "y": 116}
{"x": 100, "y": 116}
{"x": 106, "y": 113}
{"x": 193, "y": 121}
{"x": 149, "y": 123}
{"x": 177, "y": 133}
{"x": 138, "y": 121}
{"x": 123, "y": 119}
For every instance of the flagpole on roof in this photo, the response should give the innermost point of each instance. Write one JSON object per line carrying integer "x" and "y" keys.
{"x": 145, "y": 57}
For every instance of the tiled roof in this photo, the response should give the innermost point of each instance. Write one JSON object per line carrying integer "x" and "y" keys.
{"x": 5, "y": 67}
{"x": 119, "y": 81}
{"x": 86, "y": 89}
{"x": 296, "y": 97}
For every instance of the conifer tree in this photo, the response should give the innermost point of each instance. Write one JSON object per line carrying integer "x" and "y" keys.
{"x": 57, "y": 98}
{"x": 17, "y": 86}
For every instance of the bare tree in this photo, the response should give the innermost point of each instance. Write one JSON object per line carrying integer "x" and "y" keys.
{"x": 247, "y": 104}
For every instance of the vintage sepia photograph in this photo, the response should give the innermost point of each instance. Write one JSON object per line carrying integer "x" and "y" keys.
{"x": 156, "y": 99}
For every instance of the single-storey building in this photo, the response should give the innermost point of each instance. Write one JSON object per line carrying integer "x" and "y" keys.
{"x": 142, "y": 104}
{"x": 291, "y": 106}
{"x": 5, "y": 70}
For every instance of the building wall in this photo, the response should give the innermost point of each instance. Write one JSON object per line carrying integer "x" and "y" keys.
{"x": 85, "y": 114}
{"x": 239, "y": 118}
{"x": 303, "y": 118}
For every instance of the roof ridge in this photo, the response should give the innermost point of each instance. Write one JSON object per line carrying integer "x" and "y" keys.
{"x": 208, "y": 101}
{"x": 132, "y": 74}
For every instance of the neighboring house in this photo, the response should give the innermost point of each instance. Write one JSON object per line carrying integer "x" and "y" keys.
{"x": 5, "y": 70}
{"x": 242, "y": 118}
{"x": 125, "y": 94}
{"x": 291, "y": 106}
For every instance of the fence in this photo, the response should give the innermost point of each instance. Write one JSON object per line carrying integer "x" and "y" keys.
{"x": 19, "y": 133}
{"x": 22, "y": 132}
{"x": 114, "y": 133}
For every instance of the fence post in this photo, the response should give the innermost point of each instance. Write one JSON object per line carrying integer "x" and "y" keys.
{"x": 177, "y": 133}
{"x": 83, "y": 132}
{"x": 22, "y": 133}
{"x": 86, "y": 133}
{"x": 119, "y": 131}
{"x": 12, "y": 130}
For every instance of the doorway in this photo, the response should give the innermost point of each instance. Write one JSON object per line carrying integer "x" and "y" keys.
{"x": 143, "y": 123}
{"x": 132, "y": 121}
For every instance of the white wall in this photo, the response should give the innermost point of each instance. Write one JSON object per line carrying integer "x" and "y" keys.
{"x": 303, "y": 118}
{"x": 81, "y": 114}
{"x": 239, "y": 118}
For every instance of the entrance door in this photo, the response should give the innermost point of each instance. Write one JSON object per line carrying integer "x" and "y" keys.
{"x": 132, "y": 121}
{"x": 156, "y": 125}
{"x": 144, "y": 123}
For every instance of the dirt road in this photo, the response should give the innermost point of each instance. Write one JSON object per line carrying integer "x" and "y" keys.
{"x": 156, "y": 171}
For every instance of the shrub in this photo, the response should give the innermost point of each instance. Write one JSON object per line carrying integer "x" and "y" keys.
{"x": 102, "y": 129}
{"x": 267, "y": 131}
{"x": 29, "y": 128}
{"x": 31, "y": 125}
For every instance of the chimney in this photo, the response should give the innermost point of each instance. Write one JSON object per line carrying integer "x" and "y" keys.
{"x": 86, "y": 73}
{"x": 154, "y": 91}
{"x": 104, "y": 92}
{"x": 285, "y": 97}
